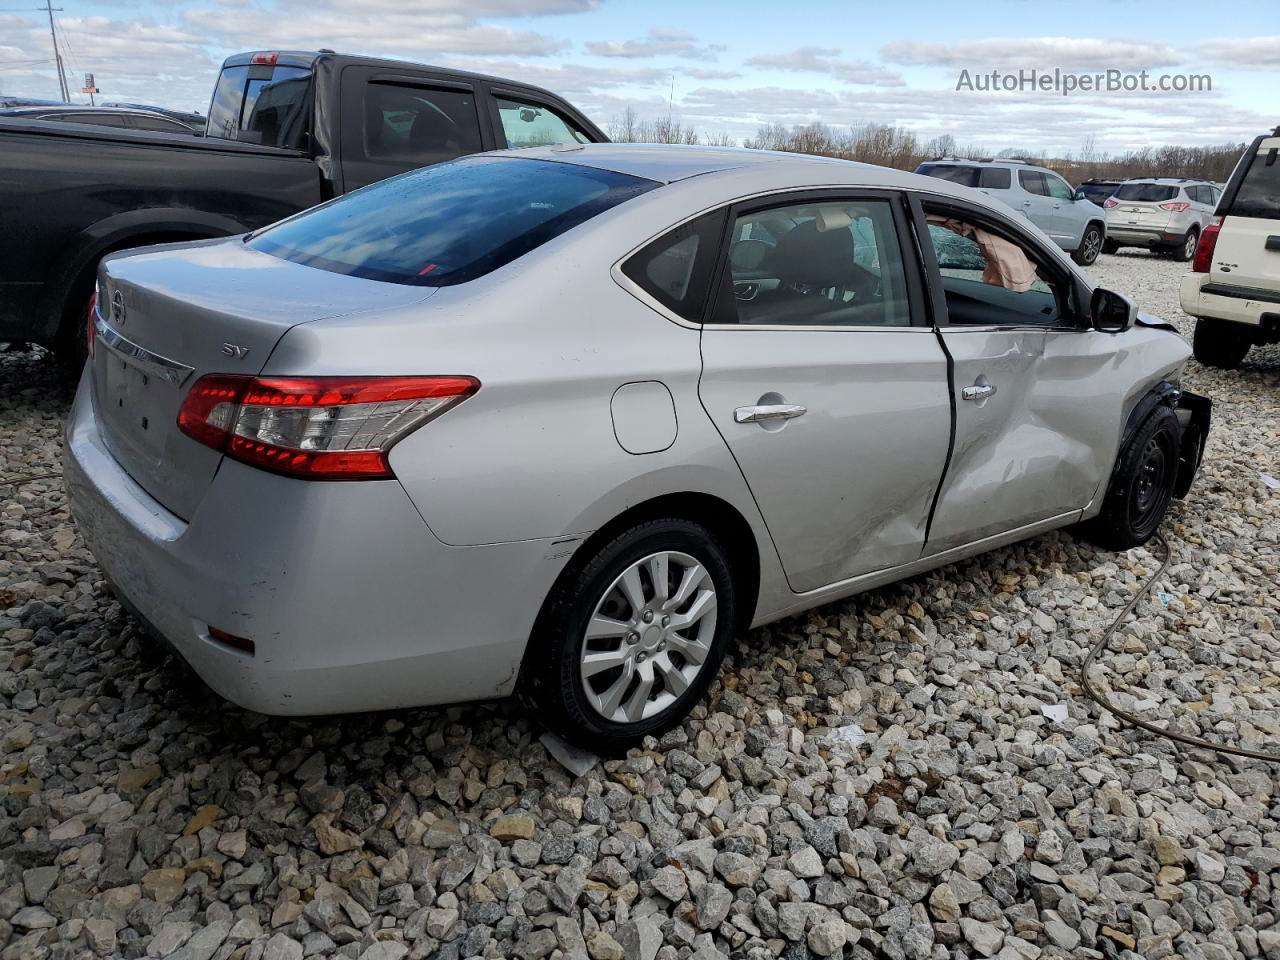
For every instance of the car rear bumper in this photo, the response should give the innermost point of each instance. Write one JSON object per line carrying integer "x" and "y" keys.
{"x": 1200, "y": 296}
{"x": 1142, "y": 236}
{"x": 351, "y": 602}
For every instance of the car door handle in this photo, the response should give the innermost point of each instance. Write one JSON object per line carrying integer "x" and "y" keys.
{"x": 1273, "y": 242}
{"x": 767, "y": 414}
{"x": 979, "y": 391}
{"x": 1026, "y": 203}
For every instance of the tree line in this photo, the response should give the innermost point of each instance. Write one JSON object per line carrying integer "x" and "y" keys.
{"x": 897, "y": 147}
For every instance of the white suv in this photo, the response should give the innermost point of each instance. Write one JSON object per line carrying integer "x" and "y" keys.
{"x": 1164, "y": 214}
{"x": 1234, "y": 287}
{"x": 1072, "y": 222}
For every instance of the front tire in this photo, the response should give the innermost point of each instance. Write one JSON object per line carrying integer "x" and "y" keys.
{"x": 632, "y": 636}
{"x": 1141, "y": 485}
{"x": 1091, "y": 244}
{"x": 1218, "y": 343}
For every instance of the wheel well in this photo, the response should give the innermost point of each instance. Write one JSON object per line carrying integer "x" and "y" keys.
{"x": 721, "y": 518}
{"x": 74, "y": 302}
{"x": 1101, "y": 225}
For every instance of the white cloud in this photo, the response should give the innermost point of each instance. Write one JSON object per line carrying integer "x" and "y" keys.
{"x": 1243, "y": 53}
{"x": 825, "y": 60}
{"x": 1069, "y": 53}
{"x": 659, "y": 42}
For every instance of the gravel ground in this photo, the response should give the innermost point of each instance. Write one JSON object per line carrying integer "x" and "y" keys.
{"x": 140, "y": 816}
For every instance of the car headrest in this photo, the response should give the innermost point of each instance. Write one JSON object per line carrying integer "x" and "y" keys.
{"x": 807, "y": 254}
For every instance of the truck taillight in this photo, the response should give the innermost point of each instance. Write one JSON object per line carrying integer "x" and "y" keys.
{"x": 1175, "y": 206}
{"x": 1204, "y": 252}
{"x": 1111, "y": 202}
{"x": 267, "y": 58}
{"x": 91, "y": 325}
{"x": 317, "y": 428}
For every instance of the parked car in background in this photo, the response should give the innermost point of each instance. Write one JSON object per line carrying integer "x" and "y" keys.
{"x": 1096, "y": 191}
{"x": 591, "y": 513}
{"x": 196, "y": 121}
{"x": 121, "y": 118}
{"x": 1160, "y": 213}
{"x": 1234, "y": 287}
{"x": 285, "y": 132}
{"x": 1043, "y": 197}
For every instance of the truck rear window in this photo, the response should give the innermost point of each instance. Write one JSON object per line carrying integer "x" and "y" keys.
{"x": 262, "y": 104}
{"x": 1259, "y": 193}
{"x": 1145, "y": 192}
{"x": 449, "y": 223}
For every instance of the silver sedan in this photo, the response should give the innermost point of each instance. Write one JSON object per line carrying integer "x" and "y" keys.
{"x": 567, "y": 421}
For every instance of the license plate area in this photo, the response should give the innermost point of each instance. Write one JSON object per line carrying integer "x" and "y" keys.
{"x": 136, "y": 402}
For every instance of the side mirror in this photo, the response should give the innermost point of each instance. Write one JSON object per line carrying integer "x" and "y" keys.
{"x": 1111, "y": 312}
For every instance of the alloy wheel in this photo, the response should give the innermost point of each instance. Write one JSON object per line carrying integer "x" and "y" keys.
{"x": 1190, "y": 244}
{"x": 1092, "y": 245}
{"x": 648, "y": 637}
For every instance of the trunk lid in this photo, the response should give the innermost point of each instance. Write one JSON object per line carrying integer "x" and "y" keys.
{"x": 173, "y": 314}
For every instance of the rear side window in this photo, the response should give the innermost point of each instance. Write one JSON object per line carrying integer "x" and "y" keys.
{"x": 449, "y": 223}
{"x": 1146, "y": 192}
{"x": 676, "y": 269}
{"x": 951, "y": 172}
{"x": 529, "y": 124}
{"x": 1033, "y": 182}
{"x": 419, "y": 125}
{"x": 994, "y": 178}
{"x": 1259, "y": 193}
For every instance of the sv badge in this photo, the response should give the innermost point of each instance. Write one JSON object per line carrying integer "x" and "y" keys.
{"x": 235, "y": 351}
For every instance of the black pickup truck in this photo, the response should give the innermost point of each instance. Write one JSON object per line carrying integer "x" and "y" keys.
{"x": 285, "y": 131}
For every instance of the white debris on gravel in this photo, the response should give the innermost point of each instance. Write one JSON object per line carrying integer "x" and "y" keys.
{"x": 140, "y": 816}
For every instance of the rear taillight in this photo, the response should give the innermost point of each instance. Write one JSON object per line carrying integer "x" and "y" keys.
{"x": 91, "y": 325}
{"x": 1175, "y": 206}
{"x": 265, "y": 58}
{"x": 1204, "y": 252}
{"x": 1111, "y": 202}
{"x": 319, "y": 428}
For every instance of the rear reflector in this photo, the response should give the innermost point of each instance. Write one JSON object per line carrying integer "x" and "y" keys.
{"x": 1204, "y": 252}
{"x": 241, "y": 644}
{"x": 316, "y": 428}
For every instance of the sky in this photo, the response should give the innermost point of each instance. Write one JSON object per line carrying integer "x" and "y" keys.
{"x": 722, "y": 68}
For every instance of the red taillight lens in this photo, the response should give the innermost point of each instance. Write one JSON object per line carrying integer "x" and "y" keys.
{"x": 1175, "y": 206}
{"x": 269, "y": 58}
{"x": 91, "y": 325}
{"x": 1111, "y": 202}
{"x": 1204, "y": 252}
{"x": 318, "y": 428}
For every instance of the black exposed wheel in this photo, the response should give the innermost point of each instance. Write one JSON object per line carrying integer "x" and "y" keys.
{"x": 1141, "y": 485}
{"x": 1220, "y": 343}
{"x": 1186, "y": 250}
{"x": 631, "y": 637}
{"x": 1109, "y": 247}
{"x": 1090, "y": 246}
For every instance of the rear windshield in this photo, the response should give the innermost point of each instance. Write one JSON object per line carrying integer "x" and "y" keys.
{"x": 449, "y": 223}
{"x": 1146, "y": 192}
{"x": 1096, "y": 192}
{"x": 262, "y": 104}
{"x": 1259, "y": 193}
{"x": 990, "y": 178}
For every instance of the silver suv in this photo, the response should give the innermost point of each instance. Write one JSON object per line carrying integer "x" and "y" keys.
{"x": 1074, "y": 223}
{"x": 1163, "y": 214}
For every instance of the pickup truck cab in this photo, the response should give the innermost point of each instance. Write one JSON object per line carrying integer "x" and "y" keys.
{"x": 1233, "y": 289}
{"x": 286, "y": 130}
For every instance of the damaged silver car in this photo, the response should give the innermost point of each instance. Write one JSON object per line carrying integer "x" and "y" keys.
{"x": 568, "y": 421}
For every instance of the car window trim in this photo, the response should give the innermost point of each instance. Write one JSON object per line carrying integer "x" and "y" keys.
{"x": 916, "y": 300}
{"x": 989, "y": 220}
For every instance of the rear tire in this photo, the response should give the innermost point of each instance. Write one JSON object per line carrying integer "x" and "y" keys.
{"x": 589, "y": 685}
{"x": 1141, "y": 485}
{"x": 1091, "y": 244}
{"x": 1109, "y": 247}
{"x": 1186, "y": 250}
{"x": 1217, "y": 343}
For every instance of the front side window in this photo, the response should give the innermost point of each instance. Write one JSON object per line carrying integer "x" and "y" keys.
{"x": 448, "y": 223}
{"x": 834, "y": 263}
{"x": 990, "y": 279}
{"x": 1058, "y": 188}
{"x": 1033, "y": 182}
{"x": 419, "y": 125}
{"x": 528, "y": 124}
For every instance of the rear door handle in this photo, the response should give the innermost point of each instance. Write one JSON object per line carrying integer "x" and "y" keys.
{"x": 979, "y": 391}
{"x": 1273, "y": 242}
{"x": 766, "y": 414}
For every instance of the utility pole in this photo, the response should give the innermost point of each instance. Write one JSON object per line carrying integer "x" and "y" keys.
{"x": 57, "y": 56}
